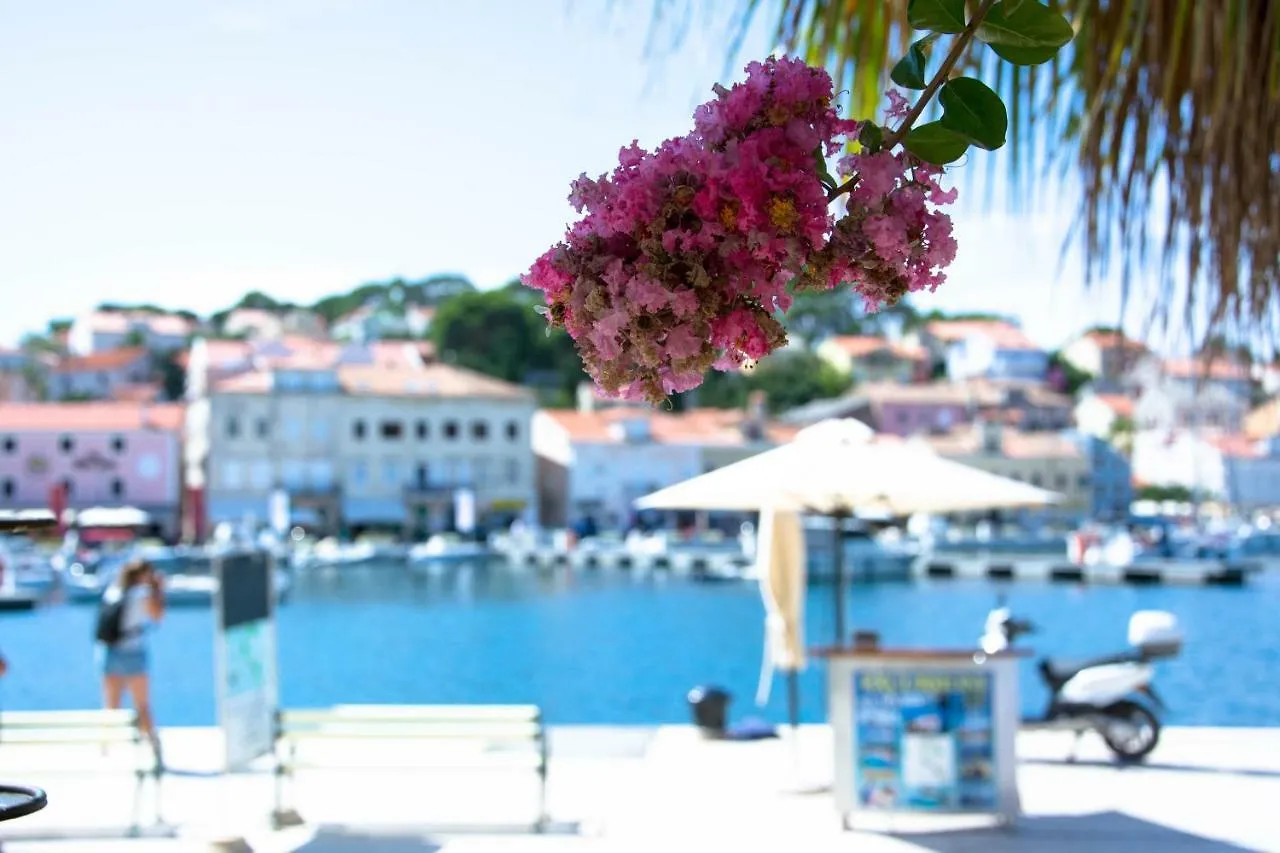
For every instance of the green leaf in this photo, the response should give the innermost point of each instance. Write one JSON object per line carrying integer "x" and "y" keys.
{"x": 975, "y": 112}
{"x": 936, "y": 144}
{"x": 1029, "y": 33}
{"x": 820, "y": 163}
{"x": 910, "y": 70}
{"x": 871, "y": 136}
{"x": 940, "y": 16}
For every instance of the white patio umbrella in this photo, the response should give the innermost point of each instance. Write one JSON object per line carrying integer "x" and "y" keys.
{"x": 780, "y": 558}
{"x": 839, "y": 467}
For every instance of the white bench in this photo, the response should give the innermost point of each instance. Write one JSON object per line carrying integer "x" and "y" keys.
{"x": 412, "y": 737}
{"x": 74, "y": 743}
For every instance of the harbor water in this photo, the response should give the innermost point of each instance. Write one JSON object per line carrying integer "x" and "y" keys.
{"x": 611, "y": 648}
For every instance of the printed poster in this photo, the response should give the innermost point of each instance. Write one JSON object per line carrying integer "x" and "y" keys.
{"x": 924, "y": 741}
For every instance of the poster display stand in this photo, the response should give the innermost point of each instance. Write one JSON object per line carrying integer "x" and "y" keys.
{"x": 245, "y": 656}
{"x": 924, "y": 732}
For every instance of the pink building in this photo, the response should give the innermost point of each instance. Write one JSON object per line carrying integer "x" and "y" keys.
{"x": 103, "y": 454}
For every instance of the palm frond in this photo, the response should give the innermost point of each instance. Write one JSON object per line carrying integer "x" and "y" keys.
{"x": 1166, "y": 115}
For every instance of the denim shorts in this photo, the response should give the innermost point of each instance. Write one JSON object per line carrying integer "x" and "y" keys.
{"x": 124, "y": 662}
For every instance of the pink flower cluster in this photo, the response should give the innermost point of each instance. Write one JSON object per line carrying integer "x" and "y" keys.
{"x": 683, "y": 259}
{"x": 892, "y": 240}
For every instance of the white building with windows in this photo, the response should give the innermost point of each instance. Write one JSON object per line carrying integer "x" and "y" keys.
{"x": 363, "y": 445}
{"x": 594, "y": 463}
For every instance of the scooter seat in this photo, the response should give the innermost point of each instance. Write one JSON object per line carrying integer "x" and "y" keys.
{"x": 1059, "y": 671}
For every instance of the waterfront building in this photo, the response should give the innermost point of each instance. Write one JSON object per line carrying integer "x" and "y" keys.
{"x": 360, "y": 437}
{"x": 892, "y": 408}
{"x": 1110, "y": 477}
{"x": 595, "y": 462}
{"x": 865, "y": 358}
{"x": 1231, "y": 468}
{"x": 378, "y": 320}
{"x": 1263, "y": 421}
{"x": 984, "y": 349}
{"x": 108, "y": 454}
{"x": 18, "y": 369}
{"x": 1174, "y": 394}
{"x": 100, "y": 331}
{"x": 1103, "y": 414}
{"x": 1049, "y": 460}
{"x": 100, "y": 375}
{"x": 1027, "y": 406}
{"x": 1104, "y": 354}
{"x": 251, "y": 323}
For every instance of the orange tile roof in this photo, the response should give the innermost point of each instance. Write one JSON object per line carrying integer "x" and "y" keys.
{"x": 123, "y": 321}
{"x": 1115, "y": 340}
{"x": 719, "y": 427}
{"x": 432, "y": 380}
{"x": 137, "y": 392}
{"x": 1237, "y": 446}
{"x": 1193, "y": 368}
{"x": 99, "y": 361}
{"x": 858, "y": 346}
{"x": 967, "y": 441}
{"x": 1118, "y": 403}
{"x": 90, "y": 417}
{"x": 936, "y": 393}
{"x": 1003, "y": 333}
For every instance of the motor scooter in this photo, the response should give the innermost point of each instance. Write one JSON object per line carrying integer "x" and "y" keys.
{"x": 1111, "y": 695}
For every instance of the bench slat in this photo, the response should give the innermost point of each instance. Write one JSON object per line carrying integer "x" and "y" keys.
{"x": 373, "y": 730}
{"x": 509, "y": 761}
{"x": 433, "y": 713}
{"x": 66, "y": 737}
{"x": 66, "y": 719}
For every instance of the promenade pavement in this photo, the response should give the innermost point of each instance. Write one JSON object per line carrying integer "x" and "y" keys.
{"x": 619, "y": 789}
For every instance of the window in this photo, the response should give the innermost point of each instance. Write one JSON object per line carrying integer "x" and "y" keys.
{"x": 513, "y": 430}
{"x": 6, "y": 488}
{"x": 292, "y": 429}
{"x": 1060, "y": 481}
{"x": 294, "y": 474}
{"x": 263, "y": 427}
{"x": 66, "y": 444}
{"x": 479, "y": 430}
{"x": 390, "y": 472}
{"x": 232, "y": 474}
{"x": 10, "y": 444}
{"x": 391, "y": 430}
{"x": 320, "y": 429}
{"x": 117, "y": 444}
{"x": 451, "y": 429}
{"x": 260, "y": 474}
{"x": 117, "y": 487}
{"x": 422, "y": 478}
{"x": 233, "y": 427}
{"x": 1035, "y": 480}
{"x": 1084, "y": 481}
{"x": 360, "y": 473}
{"x": 357, "y": 430}
{"x": 420, "y": 430}
{"x": 513, "y": 470}
{"x": 481, "y": 467}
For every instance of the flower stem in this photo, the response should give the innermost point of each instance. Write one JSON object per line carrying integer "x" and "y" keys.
{"x": 944, "y": 70}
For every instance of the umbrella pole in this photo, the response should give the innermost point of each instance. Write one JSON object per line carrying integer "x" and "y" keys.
{"x": 837, "y": 556}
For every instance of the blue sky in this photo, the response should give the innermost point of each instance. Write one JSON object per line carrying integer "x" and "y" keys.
{"x": 183, "y": 153}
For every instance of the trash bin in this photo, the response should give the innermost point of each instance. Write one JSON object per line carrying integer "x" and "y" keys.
{"x": 710, "y": 708}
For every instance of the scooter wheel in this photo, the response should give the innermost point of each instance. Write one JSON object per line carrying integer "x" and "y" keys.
{"x": 1131, "y": 731}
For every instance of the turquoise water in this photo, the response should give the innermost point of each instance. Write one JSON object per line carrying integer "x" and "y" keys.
{"x": 611, "y": 649}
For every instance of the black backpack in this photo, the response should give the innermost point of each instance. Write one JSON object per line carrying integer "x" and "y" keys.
{"x": 110, "y": 629}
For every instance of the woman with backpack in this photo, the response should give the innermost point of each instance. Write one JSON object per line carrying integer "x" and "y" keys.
{"x": 130, "y": 606}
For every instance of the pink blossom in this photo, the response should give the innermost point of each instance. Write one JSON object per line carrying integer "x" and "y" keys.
{"x": 685, "y": 254}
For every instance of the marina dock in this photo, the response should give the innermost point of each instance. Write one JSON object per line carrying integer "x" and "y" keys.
{"x": 644, "y": 789}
